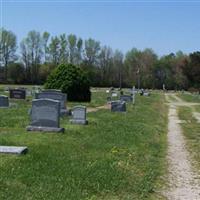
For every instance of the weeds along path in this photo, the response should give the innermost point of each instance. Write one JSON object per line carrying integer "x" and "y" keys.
{"x": 183, "y": 180}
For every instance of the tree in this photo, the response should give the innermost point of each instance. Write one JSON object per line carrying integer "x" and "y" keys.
{"x": 16, "y": 73}
{"x": 92, "y": 49}
{"x": 105, "y": 65}
{"x": 118, "y": 66}
{"x": 45, "y": 39}
{"x": 72, "y": 47}
{"x": 54, "y": 50}
{"x": 63, "y": 53}
{"x": 72, "y": 81}
{"x": 8, "y": 46}
{"x": 192, "y": 70}
{"x": 31, "y": 49}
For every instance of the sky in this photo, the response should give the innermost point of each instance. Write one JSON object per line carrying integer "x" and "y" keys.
{"x": 165, "y": 26}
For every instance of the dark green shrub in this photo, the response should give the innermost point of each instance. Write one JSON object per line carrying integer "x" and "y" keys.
{"x": 72, "y": 81}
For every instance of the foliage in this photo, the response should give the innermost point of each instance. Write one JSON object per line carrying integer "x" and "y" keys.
{"x": 8, "y": 46}
{"x": 192, "y": 69}
{"x": 13, "y": 69}
{"x": 71, "y": 80}
{"x": 105, "y": 67}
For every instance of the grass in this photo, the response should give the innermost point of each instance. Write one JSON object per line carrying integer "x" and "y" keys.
{"x": 117, "y": 156}
{"x": 190, "y": 97}
{"x": 191, "y": 130}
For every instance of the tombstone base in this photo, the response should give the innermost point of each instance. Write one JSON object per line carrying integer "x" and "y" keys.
{"x": 45, "y": 129}
{"x": 76, "y": 121}
{"x": 13, "y": 150}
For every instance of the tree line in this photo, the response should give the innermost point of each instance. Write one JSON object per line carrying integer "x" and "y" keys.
{"x": 38, "y": 54}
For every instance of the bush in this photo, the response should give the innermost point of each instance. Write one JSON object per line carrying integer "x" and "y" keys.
{"x": 72, "y": 81}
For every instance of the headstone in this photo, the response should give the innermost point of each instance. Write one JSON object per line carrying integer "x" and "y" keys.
{"x": 4, "y": 102}
{"x": 45, "y": 115}
{"x": 55, "y": 95}
{"x": 118, "y": 106}
{"x": 146, "y": 94}
{"x": 17, "y": 93}
{"x": 126, "y": 98}
{"x": 28, "y": 93}
{"x": 114, "y": 94}
{"x": 13, "y": 150}
{"x": 6, "y": 89}
{"x": 79, "y": 115}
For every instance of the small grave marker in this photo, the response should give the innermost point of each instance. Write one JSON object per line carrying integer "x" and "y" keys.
{"x": 79, "y": 115}
{"x": 118, "y": 106}
{"x": 4, "y": 102}
{"x": 17, "y": 93}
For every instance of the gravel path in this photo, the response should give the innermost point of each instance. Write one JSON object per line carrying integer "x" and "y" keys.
{"x": 184, "y": 182}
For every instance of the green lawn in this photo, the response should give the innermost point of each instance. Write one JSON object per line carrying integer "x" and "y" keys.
{"x": 191, "y": 130}
{"x": 117, "y": 156}
{"x": 190, "y": 97}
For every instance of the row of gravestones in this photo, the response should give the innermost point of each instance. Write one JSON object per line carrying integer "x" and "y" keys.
{"x": 45, "y": 116}
{"x": 21, "y": 93}
{"x": 14, "y": 94}
{"x": 120, "y": 105}
{"x": 47, "y": 107}
{"x": 46, "y": 110}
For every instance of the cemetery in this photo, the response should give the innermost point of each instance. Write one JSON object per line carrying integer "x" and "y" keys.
{"x": 105, "y": 136}
{"x": 99, "y": 100}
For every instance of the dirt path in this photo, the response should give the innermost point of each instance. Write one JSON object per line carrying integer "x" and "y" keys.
{"x": 106, "y": 106}
{"x": 184, "y": 183}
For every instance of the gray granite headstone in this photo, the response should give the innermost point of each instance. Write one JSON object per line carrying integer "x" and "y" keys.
{"x": 79, "y": 115}
{"x": 55, "y": 95}
{"x": 126, "y": 98}
{"x": 13, "y": 150}
{"x": 4, "y": 102}
{"x": 45, "y": 115}
{"x": 118, "y": 106}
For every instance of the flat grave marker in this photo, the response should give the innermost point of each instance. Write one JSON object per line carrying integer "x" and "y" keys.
{"x": 13, "y": 150}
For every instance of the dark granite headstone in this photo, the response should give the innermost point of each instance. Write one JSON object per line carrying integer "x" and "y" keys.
{"x": 79, "y": 115}
{"x": 118, "y": 106}
{"x": 17, "y": 93}
{"x": 55, "y": 95}
{"x": 126, "y": 98}
{"x": 4, "y": 102}
{"x": 45, "y": 115}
